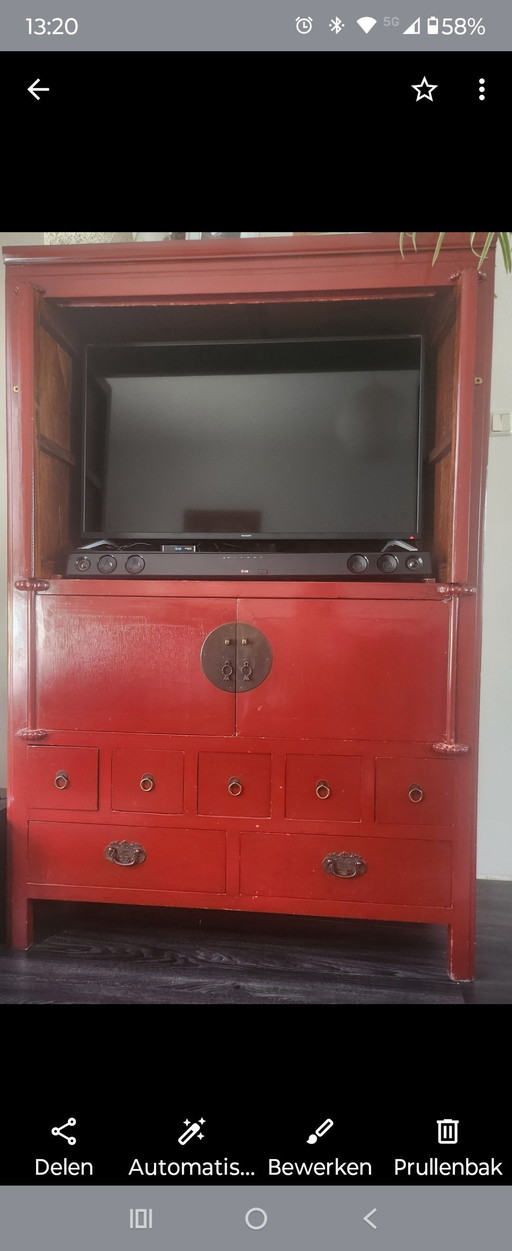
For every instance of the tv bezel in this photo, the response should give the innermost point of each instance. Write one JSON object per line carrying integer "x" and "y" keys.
{"x": 123, "y": 537}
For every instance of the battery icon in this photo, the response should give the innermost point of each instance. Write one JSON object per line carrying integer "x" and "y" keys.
{"x": 433, "y": 26}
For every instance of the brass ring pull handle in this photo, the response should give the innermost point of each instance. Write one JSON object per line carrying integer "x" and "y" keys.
{"x": 415, "y": 794}
{"x": 147, "y": 782}
{"x": 227, "y": 671}
{"x": 61, "y": 780}
{"x": 235, "y": 786}
{"x": 247, "y": 671}
{"x": 125, "y": 854}
{"x": 323, "y": 790}
{"x": 344, "y": 864}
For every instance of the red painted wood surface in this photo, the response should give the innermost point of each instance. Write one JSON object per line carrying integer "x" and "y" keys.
{"x": 361, "y": 671}
{"x": 398, "y": 872}
{"x": 147, "y": 780}
{"x": 130, "y": 664}
{"x": 323, "y": 788}
{"x": 414, "y": 792}
{"x": 374, "y": 670}
{"x": 63, "y": 777}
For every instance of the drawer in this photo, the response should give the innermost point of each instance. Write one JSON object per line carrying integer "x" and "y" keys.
{"x": 147, "y": 780}
{"x": 323, "y": 788}
{"x": 398, "y": 870}
{"x": 235, "y": 784}
{"x": 414, "y": 792}
{"x": 74, "y": 855}
{"x": 63, "y": 777}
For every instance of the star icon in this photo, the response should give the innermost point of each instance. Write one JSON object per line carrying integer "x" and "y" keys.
{"x": 424, "y": 94}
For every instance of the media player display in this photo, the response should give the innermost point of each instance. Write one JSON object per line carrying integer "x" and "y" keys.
{"x": 285, "y": 452}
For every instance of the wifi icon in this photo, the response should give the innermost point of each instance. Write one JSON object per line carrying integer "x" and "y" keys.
{"x": 366, "y": 23}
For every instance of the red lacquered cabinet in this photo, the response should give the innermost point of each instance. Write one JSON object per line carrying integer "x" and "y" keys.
{"x": 341, "y": 782}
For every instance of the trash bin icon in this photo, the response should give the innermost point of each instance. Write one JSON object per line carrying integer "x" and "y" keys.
{"x": 447, "y": 1131}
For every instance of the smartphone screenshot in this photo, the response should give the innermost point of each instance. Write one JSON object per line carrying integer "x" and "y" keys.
{"x": 357, "y": 1172}
{"x": 441, "y": 76}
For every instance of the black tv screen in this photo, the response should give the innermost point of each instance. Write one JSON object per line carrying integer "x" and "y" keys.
{"x": 314, "y": 439}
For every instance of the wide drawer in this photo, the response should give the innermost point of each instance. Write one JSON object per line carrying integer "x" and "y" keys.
{"x": 414, "y": 792}
{"x": 147, "y": 780}
{"x": 397, "y": 870}
{"x": 235, "y": 784}
{"x": 323, "y": 788}
{"x": 74, "y": 855}
{"x": 63, "y": 777}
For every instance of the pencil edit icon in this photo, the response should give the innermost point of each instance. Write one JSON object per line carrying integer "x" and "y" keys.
{"x": 319, "y": 1133}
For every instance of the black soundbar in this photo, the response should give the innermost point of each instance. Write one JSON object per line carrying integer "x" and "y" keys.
{"x": 313, "y": 565}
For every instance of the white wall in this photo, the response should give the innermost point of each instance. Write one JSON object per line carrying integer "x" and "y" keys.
{"x": 494, "y": 806}
{"x": 495, "y": 809}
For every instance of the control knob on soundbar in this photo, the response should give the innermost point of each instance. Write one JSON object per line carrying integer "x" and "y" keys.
{"x": 134, "y": 564}
{"x": 107, "y": 564}
{"x": 387, "y": 563}
{"x": 357, "y": 563}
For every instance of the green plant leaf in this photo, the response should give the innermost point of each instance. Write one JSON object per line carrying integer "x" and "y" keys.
{"x": 485, "y": 248}
{"x": 505, "y": 250}
{"x": 439, "y": 245}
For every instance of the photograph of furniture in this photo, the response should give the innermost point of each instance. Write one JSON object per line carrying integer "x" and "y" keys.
{"x": 261, "y": 744}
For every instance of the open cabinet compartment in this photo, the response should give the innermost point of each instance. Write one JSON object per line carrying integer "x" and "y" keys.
{"x": 64, "y": 330}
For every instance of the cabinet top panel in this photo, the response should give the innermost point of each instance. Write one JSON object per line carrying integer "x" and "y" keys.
{"x": 350, "y": 245}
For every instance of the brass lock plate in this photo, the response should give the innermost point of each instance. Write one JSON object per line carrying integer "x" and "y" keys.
{"x": 236, "y": 657}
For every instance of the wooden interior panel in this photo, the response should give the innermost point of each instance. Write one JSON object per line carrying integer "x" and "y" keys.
{"x": 56, "y": 509}
{"x": 54, "y": 391}
{"x": 161, "y": 323}
{"x": 58, "y": 434}
{"x": 441, "y": 347}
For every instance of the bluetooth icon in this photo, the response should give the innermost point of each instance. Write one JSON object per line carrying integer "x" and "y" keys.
{"x": 336, "y": 25}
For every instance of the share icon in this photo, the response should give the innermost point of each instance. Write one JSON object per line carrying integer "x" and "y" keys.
{"x": 57, "y": 1131}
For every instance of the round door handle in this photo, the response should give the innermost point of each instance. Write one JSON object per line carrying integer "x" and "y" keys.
{"x": 125, "y": 854}
{"x": 227, "y": 671}
{"x": 147, "y": 782}
{"x": 235, "y": 786}
{"x": 344, "y": 864}
{"x": 323, "y": 790}
{"x": 415, "y": 794}
{"x": 61, "y": 780}
{"x": 247, "y": 671}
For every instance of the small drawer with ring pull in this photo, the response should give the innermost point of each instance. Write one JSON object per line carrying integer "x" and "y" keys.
{"x": 147, "y": 780}
{"x": 234, "y": 784}
{"x": 323, "y": 788}
{"x": 414, "y": 791}
{"x": 63, "y": 777}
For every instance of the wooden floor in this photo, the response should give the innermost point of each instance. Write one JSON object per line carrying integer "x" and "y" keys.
{"x": 103, "y": 954}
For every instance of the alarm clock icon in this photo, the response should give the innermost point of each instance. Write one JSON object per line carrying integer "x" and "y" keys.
{"x": 304, "y": 25}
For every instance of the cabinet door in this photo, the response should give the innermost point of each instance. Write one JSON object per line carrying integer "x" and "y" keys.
{"x": 109, "y": 662}
{"x": 349, "y": 669}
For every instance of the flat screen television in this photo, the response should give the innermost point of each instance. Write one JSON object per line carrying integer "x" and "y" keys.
{"x": 283, "y": 440}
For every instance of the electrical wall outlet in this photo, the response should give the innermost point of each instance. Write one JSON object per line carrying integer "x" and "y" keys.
{"x": 500, "y": 423}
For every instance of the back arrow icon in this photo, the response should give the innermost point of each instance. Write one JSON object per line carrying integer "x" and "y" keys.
{"x": 367, "y": 1218}
{"x": 35, "y": 84}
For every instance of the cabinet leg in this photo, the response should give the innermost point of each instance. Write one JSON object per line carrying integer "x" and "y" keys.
{"x": 461, "y": 951}
{"x": 22, "y": 924}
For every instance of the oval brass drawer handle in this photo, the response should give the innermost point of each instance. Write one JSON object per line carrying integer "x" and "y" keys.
{"x": 61, "y": 780}
{"x": 323, "y": 790}
{"x": 147, "y": 782}
{"x": 125, "y": 854}
{"x": 235, "y": 786}
{"x": 415, "y": 794}
{"x": 344, "y": 864}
